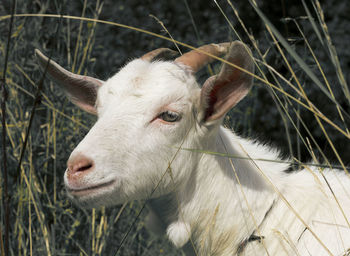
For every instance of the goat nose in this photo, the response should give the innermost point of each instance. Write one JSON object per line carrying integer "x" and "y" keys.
{"x": 79, "y": 165}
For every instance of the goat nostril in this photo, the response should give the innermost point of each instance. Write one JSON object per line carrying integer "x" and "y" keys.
{"x": 80, "y": 164}
{"x": 84, "y": 168}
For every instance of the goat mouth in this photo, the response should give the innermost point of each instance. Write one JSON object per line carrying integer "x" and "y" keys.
{"x": 89, "y": 189}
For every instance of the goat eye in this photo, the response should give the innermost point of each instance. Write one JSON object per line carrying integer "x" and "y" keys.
{"x": 169, "y": 116}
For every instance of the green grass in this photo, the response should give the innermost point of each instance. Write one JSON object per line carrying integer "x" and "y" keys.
{"x": 299, "y": 75}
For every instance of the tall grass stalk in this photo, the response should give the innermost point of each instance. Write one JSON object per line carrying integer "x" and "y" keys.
{"x": 5, "y": 247}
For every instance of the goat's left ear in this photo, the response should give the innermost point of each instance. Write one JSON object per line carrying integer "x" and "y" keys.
{"x": 81, "y": 90}
{"x": 223, "y": 91}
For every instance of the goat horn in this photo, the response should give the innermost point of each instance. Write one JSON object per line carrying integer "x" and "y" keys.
{"x": 160, "y": 53}
{"x": 63, "y": 77}
{"x": 196, "y": 59}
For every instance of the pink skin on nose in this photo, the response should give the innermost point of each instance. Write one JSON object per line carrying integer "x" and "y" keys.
{"x": 78, "y": 166}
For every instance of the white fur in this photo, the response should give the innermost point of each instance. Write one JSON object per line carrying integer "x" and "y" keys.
{"x": 179, "y": 233}
{"x": 216, "y": 201}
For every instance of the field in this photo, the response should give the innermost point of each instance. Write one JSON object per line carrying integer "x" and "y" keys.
{"x": 300, "y": 101}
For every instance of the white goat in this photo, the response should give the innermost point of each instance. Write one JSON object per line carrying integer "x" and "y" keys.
{"x": 150, "y": 111}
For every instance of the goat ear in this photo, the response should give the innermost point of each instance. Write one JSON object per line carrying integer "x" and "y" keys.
{"x": 223, "y": 91}
{"x": 81, "y": 90}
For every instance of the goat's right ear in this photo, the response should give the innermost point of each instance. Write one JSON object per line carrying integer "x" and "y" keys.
{"x": 223, "y": 91}
{"x": 81, "y": 90}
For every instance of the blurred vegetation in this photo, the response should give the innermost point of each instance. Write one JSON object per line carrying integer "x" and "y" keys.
{"x": 43, "y": 220}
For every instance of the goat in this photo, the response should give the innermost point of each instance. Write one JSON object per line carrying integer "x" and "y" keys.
{"x": 150, "y": 112}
